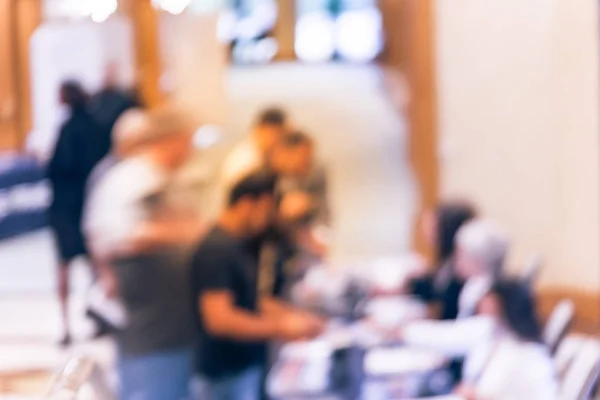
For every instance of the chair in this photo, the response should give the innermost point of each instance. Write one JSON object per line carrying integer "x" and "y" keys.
{"x": 81, "y": 378}
{"x": 558, "y": 324}
{"x": 532, "y": 270}
{"x": 566, "y": 353}
{"x": 583, "y": 374}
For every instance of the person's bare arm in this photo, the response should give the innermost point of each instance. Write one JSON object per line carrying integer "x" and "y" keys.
{"x": 164, "y": 232}
{"x": 222, "y": 318}
{"x": 272, "y": 307}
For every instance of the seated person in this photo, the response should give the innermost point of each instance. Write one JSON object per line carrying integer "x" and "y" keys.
{"x": 481, "y": 250}
{"x": 443, "y": 285}
{"x": 513, "y": 364}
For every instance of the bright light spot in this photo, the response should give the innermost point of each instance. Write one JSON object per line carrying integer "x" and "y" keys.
{"x": 359, "y": 35}
{"x": 102, "y": 9}
{"x": 172, "y": 6}
{"x": 206, "y": 136}
{"x": 315, "y": 41}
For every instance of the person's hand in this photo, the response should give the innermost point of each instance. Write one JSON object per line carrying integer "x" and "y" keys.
{"x": 466, "y": 392}
{"x": 108, "y": 282}
{"x": 295, "y": 205}
{"x": 298, "y": 326}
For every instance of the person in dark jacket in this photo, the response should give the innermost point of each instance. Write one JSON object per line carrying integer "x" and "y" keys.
{"x": 443, "y": 286}
{"x": 81, "y": 143}
{"x": 112, "y": 100}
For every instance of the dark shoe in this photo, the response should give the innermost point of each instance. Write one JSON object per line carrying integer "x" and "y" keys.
{"x": 65, "y": 341}
{"x": 103, "y": 328}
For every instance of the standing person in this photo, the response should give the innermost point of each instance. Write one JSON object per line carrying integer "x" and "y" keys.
{"x": 251, "y": 154}
{"x": 234, "y": 322}
{"x": 303, "y": 212}
{"x": 443, "y": 285}
{"x": 112, "y": 100}
{"x": 81, "y": 144}
{"x": 139, "y": 226}
{"x": 127, "y": 135}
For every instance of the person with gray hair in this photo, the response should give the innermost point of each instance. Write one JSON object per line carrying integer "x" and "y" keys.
{"x": 137, "y": 224}
{"x": 481, "y": 251}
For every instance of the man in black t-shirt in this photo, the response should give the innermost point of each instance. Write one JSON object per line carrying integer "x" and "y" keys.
{"x": 234, "y": 323}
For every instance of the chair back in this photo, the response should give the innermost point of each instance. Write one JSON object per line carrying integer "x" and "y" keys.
{"x": 81, "y": 378}
{"x": 532, "y": 270}
{"x": 566, "y": 353}
{"x": 583, "y": 373}
{"x": 558, "y": 324}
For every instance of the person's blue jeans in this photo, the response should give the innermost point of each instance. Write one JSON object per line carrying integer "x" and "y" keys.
{"x": 242, "y": 386}
{"x": 162, "y": 375}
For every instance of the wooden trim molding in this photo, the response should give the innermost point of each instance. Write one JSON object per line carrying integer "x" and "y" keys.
{"x": 587, "y": 306}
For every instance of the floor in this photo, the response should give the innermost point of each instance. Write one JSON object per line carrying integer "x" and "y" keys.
{"x": 361, "y": 142}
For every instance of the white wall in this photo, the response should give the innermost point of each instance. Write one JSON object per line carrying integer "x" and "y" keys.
{"x": 195, "y": 63}
{"x": 518, "y": 108}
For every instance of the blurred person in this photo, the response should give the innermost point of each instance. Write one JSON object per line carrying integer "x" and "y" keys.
{"x": 112, "y": 100}
{"x": 145, "y": 234}
{"x": 443, "y": 285}
{"x": 251, "y": 154}
{"x": 234, "y": 322}
{"x": 481, "y": 250}
{"x": 301, "y": 196}
{"x": 81, "y": 144}
{"x": 513, "y": 364}
{"x": 127, "y": 134}
{"x": 292, "y": 160}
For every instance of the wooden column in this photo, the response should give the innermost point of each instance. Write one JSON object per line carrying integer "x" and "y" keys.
{"x": 28, "y": 17}
{"x": 409, "y": 27}
{"x": 285, "y": 29}
{"x": 8, "y": 123}
{"x": 145, "y": 20}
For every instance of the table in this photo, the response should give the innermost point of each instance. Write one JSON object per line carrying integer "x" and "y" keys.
{"x": 317, "y": 370}
{"x": 24, "y": 195}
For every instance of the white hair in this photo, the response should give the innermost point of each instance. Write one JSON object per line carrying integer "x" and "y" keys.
{"x": 485, "y": 241}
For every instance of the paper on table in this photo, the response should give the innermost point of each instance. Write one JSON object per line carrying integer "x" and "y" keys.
{"x": 398, "y": 361}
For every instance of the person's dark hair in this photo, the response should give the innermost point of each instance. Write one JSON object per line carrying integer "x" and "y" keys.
{"x": 73, "y": 94}
{"x": 518, "y": 307}
{"x": 272, "y": 116}
{"x": 254, "y": 186}
{"x": 295, "y": 139}
{"x": 450, "y": 217}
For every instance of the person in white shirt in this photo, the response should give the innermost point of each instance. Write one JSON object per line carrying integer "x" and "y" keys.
{"x": 481, "y": 250}
{"x": 513, "y": 364}
{"x": 250, "y": 155}
{"x": 137, "y": 224}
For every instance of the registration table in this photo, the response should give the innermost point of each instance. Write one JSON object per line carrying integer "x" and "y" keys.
{"x": 357, "y": 357}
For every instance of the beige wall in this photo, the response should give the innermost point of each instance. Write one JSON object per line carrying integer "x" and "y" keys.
{"x": 519, "y": 126}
